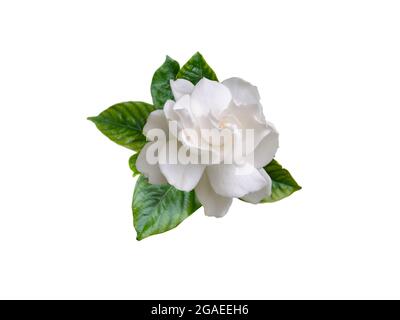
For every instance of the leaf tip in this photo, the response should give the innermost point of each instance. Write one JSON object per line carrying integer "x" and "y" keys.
{"x": 91, "y": 119}
{"x": 297, "y": 187}
{"x": 139, "y": 237}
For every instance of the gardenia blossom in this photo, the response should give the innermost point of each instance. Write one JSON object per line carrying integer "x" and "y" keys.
{"x": 233, "y": 106}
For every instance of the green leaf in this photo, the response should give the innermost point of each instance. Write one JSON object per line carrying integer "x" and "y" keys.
{"x": 159, "y": 208}
{"x": 160, "y": 87}
{"x": 123, "y": 123}
{"x": 195, "y": 69}
{"x": 283, "y": 184}
{"x": 132, "y": 164}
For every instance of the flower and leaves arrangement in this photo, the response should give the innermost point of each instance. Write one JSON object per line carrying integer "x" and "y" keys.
{"x": 200, "y": 143}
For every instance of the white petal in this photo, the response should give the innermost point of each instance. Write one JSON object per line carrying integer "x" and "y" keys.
{"x": 243, "y": 92}
{"x": 265, "y": 151}
{"x": 214, "y": 204}
{"x": 184, "y": 177}
{"x": 253, "y": 112}
{"x": 209, "y": 96}
{"x": 156, "y": 120}
{"x": 151, "y": 171}
{"x": 169, "y": 110}
{"x": 257, "y": 196}
{"x": 234, "y": 181}
{"x": 248, "y": 117}
{"x": 181, "y": 87}
{"x": 182, "y": 110}
{"x": 172, "y": 118}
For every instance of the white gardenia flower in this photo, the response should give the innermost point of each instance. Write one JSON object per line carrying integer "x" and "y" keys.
{"x": 232, "y": 105}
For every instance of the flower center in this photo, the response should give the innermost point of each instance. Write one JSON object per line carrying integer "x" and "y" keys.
{"x": 228, "y": 122}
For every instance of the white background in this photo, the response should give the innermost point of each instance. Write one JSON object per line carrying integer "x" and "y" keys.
{"x": 329, "y": 76}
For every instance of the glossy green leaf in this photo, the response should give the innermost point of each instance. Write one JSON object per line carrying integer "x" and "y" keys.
{"x": 123, "y": 123}
{"x": 159, "y": 208}
{"x": 283, "y": 184}
{"x": 132, "y": 164}
{"x": 195, "y": 69}
{"x": 160, "y": 87}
